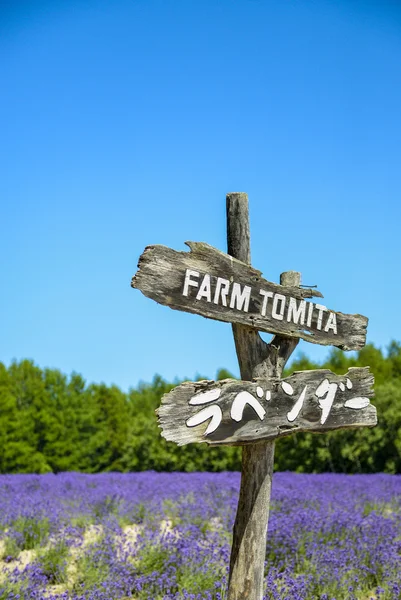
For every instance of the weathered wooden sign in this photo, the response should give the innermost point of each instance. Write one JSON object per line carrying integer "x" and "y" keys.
{"x": 210, "y": 283}
{"x": 232, "y": 412}
{"x": 253, "y": 413}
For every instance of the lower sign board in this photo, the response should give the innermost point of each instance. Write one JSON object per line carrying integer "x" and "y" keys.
{"x": 232, "y": 412}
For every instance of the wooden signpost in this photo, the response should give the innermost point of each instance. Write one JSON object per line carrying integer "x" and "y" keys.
{"x": 235, "y": 412}
{"x": 261, "y": 407}
{"x": 210, "y": 283}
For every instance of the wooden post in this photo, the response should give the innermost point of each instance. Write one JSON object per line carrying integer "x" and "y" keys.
{"x": 213, "y": 412}
{"x": 256, "y": 359}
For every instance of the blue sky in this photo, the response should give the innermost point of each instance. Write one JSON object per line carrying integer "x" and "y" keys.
{"x": 125, "y": 123}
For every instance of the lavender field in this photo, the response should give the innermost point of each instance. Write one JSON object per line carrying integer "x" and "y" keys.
{"x": 167, "y": 536}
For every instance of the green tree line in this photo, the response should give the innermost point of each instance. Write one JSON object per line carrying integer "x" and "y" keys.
{"x": 50, "y": 422}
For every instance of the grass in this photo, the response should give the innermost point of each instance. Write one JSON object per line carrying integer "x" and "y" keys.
{"x": 11, "y": 549}
{"x": 53, "y": 562}
{"x": 11, "y": 590}
{"x": 135, "y": 516}
{"x": 198, "y": 581}
{"x": 81, "y": 521}
{"x": 30, "y": 532}
{"x": 92, "y": 567}
{"x": 110, "y": 505}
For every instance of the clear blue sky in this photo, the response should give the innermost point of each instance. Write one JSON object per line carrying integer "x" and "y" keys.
{"x": 125, "y": 122}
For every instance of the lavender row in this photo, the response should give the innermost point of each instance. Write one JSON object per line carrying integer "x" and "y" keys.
{"x": 167, "y": 536}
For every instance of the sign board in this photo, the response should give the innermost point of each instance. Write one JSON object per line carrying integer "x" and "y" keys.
{"x": 232, "y": 412}
{"x": 210, "y": 283}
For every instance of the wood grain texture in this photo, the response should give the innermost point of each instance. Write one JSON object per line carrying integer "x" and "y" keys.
{"x": 256, "y": 359}
{"x": 265, "y": 306}
{"x": 268, "y": 404}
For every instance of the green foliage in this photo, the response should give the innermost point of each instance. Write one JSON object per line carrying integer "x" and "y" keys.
{"x": 153, "y": 558}
{"x": 53, "y": 562}
{"x": 106, "y": 507}
{"x": 224, "y": 374}
{"x": 31, "y": 532}
{"x": 11, "y": 549}
{"x": 196, "y": 581}
{"x": 81, "y": 521}
{"x": 360, "y": 450}
{"x": 12, "y": 589}
{"x": 92, "y": 568}
{"x": 51, "y": 423}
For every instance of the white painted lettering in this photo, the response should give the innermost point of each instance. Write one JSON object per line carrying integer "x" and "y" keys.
{"x": 240, "y": 401}
{"x": 222, "y": 289}
{"x": 321, "y": 310}
{"x": 241, "y": 299}
{"x": 278, "y": 314}
{"x": 205, "y": 397}
{"x": 326, "y": 403}
{"x": 331, "y": 323}
{"x": 205, "y": 290}
{"x": 287, "y": 388}
{"x": 296, "y": 409}
{"x": 188, "y": 281}
{"x": 266, "y": 296}
{"x": 310, "y": 314}
{"x": 296, "y": 313}
{"x": 357, "y": 403}
{"x": 210, "y": 412}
